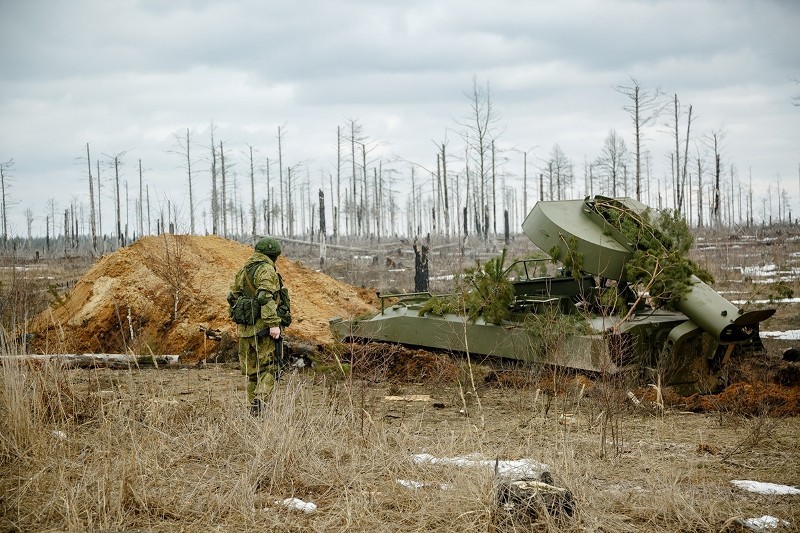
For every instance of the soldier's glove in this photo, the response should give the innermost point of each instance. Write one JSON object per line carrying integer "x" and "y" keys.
{"x": 231, "y": 299}
{"x": 263, "y": 297}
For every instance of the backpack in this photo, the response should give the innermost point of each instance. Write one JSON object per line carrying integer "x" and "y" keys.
{"x": 246, "y": 309}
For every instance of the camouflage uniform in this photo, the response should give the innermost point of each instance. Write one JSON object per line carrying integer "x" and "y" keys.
{"x": 257, "y": 356}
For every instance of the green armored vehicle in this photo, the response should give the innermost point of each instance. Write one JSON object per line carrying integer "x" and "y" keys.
{"x": 626, "y": 300}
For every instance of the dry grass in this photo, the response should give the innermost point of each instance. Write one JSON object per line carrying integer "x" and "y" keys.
{"x": 175, "y": 450}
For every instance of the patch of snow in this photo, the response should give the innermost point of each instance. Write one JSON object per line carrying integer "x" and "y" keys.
{"x": 789, "y": 335}
{"x": 766, "y": 271}
{"x": 410, "y": 484}
{"x": 763, "y": 523}
{"x": 765, "y": 488}
{"x": 767, "y": 302}
{"x": 521, "y": 468}
{"x": 769, "y": 281}
{"x": 298, "y": 505}
{"x": 413, "y": 485}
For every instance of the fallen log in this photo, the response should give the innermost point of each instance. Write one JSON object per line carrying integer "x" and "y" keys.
{"x": 94, "y": 360}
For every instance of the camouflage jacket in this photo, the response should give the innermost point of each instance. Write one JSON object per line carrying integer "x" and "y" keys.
{"x": 265, "y": 277}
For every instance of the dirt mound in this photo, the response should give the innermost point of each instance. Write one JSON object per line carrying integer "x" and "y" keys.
{"x": 166, "y": 294}
{"x": 380, "y": 361}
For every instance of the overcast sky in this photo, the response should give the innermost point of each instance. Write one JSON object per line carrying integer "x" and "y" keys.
{"x": 126, "y": 76}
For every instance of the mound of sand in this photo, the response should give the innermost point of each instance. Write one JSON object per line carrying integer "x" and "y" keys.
{"x": 166, "y": 294}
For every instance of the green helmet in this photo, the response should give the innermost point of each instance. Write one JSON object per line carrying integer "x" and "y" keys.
{"x": 269, "y": 247}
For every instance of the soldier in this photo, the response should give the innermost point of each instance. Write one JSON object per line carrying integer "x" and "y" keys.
{"x": 256, "y": 306}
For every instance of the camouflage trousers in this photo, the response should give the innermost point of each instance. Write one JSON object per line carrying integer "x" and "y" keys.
{"x": 257, "y": 362}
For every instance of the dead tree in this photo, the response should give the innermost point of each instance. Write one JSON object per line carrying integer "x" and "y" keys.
{"x": 479, "y": 130}
{"x": 5, "y": 177}
{"x": 214, "y": 192}
{"x": 224, "y": 189}
{"x": 91, "y": 201}
{"x": 185, "y": 153}
{"x": 644, "y": 108}
{"x": 252, "y": 195}
{"x": 421, "y": 273}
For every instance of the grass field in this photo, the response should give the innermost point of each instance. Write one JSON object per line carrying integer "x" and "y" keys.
{"x": 176, "y": 450}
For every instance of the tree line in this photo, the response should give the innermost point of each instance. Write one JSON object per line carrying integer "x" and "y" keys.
{"x": 472, "y": 189}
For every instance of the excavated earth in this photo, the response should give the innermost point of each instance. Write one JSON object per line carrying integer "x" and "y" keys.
{"x": 166, "y": 295}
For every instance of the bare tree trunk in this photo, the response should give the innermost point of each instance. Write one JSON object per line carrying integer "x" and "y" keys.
{"x": 214, "y": 192}
{"x": 322, "y": 224}
{"x": 686, "y": 147}
{"x": 438, "y": 185}
{"x": 99, "y": 205}
{"x": 525, "y": 183}
{"x": 353, "y": 179}
{"x": 478, "y": 134}
{"x": 140, "y": 211}
{"x": 644, "y": 108}
{"x": 224, "y": 191}
{"x": 638, "y": 144}
{"x": 147, "y": 193}
{"x": 446, "y": 196}
{"x": 506, "y": 235}
{"x": 414, "y": 222}
{"x": 5, "y": 178}
{"x": 252, "y": 195}
{"x": 676, "y": 169}
{"x": 494, "y": 189}
{"x": 270, "y": 200}
{"x": 338, "y": 209}
{"x": 289, "y": 215}
{"x": 717, "y": 172}
{"x": 281, "y": 212}
{"x": 421, "y": 272}
{"x": 91, "y": 201}
{"x": 189, "y": 176}
{"x": 376, "y": 200}
{"x": 541, "y": 186}
{"x": 699, "y": 192}
{"x": 118, "y": 202}
{"x": 363, "y": 208}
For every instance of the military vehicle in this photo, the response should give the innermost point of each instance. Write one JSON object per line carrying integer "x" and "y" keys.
{"x": 589, "y": 315}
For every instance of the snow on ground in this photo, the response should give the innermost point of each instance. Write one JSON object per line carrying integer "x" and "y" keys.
{"x": 763, "y": 523}
{"x": 789, "y": 335}
{"x": 770, "y": 271}
{"x": 767, "y": 302}
{"x": 411, "y": 484}
{"x": 297, "y": 504}
{"x": 765, "y": 488}
{"x": 521, "y": 468}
